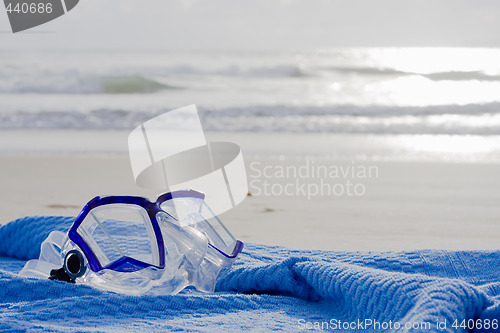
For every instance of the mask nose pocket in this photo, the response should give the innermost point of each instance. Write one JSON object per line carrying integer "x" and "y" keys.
{"x": 191, "y": 243}
{"x": 186, "y": 247}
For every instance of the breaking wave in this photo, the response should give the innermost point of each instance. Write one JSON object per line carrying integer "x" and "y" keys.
{"x": 75, "y": 84}
{"x": 452, "y": 119}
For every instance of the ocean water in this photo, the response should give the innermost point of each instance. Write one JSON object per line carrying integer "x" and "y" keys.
{"x": 454, "y": 91}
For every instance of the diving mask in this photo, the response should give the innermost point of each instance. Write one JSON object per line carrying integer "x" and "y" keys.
{"x": 133, "y": 246}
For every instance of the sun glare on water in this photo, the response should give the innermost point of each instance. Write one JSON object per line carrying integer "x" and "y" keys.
{"x": 437, "y": 60}
{"x": 430, "y": 76}
{"x": 451, "y": 144}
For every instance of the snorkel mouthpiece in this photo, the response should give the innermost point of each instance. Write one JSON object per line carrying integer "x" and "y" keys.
{"x": 74, "y": 267}
{"x": 133, "y": 246}
{"x": 74, "y": 264}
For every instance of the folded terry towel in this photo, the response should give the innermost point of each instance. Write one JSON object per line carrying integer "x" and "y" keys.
{"x": 268, "y": 288}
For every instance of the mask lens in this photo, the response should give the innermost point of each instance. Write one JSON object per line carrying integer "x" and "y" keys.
{"x": 219, "y": 236}
{"x": 195, "y": 213}
{"x": 115, "y": 231}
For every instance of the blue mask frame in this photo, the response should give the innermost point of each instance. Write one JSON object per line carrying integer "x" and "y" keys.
{"x": 128, "y": 264}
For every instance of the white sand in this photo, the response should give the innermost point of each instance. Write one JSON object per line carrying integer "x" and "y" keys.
{"x": 410, "y": 205}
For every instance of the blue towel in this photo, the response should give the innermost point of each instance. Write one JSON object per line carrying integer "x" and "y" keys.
{"x": 268, "y": 288}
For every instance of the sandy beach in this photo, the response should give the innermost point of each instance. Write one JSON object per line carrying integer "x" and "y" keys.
{"x": 353, "y": 147}
{"x": 406, "y": 204}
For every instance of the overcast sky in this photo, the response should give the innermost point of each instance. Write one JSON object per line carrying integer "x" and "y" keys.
{"x": 263, "y": 24}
